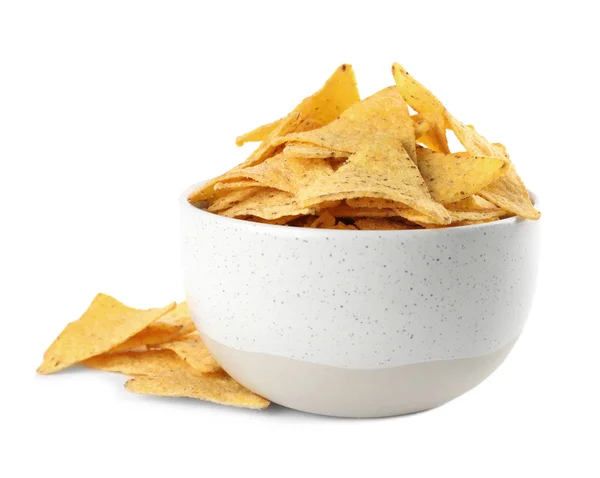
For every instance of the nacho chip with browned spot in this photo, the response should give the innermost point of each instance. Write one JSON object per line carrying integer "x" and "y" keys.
{"x": 192, "y": 350}
{"x": 384, "y": 114}
{"x": 324, "y": 221}
{"x": 452, "y": 177}
{"x": 379, "y": 224}
{"x": 425, "y": 103}
{"x": 104, "y": 325}
{"x": 216, "y": 388}
{"x": 378, "y": 170}
{"x": 147, "y": 362}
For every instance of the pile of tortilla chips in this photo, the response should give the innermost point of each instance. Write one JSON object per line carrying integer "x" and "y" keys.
{"x": 160, "y": 348}
{"x": 339, "y": 162}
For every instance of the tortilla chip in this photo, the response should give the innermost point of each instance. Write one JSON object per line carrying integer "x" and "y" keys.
{"x": 271, "y": 204}
{"x": 303, "y": 150}
{"x": 425, "y": 103}
{"x": 175, "y": 324}
{"x": 375, "y": 202}
{"x": 345, "y": 211}
{"x": 452, "y": 177}
{"x": 227, "y": 186}
{"x": 257, "y": 134}
{"x": 147, "y": 362}
{"x": 341, "y": 225}
{"x": 383, "y": 114}
{"x": 422, "y": 125}
{"x": 471, "y": 203}
{"x": 216, "y": 388}
{"x": 192, "y": 350}
{"x": 104, "y": 325}
{"x": 280, "y": 221}
{"x": 457, "y": 216}
{"x": 379, "y": 224}
{"x": 233, "y": 198}
{"x": 324, "y": 221}
{"x": 378, "y": 170}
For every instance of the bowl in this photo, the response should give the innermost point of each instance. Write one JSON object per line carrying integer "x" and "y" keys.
{"x": 357, "y": 323}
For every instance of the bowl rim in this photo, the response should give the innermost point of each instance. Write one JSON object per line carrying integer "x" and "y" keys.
{"x": 307, "y": 231}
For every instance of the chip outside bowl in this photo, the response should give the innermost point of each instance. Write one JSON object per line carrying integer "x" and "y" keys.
{"x": 358, "y": 323}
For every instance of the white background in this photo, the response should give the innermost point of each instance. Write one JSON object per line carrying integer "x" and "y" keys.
{"x": 109, "y": 109}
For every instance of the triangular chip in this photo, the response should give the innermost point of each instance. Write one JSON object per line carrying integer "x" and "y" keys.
{"x": 104, "y": 325}
{"x": 375, "y": 202}
{"x": 425, "y": 103}
{"x": 337, "y": 94}
{"x": 452, "y": 177}
{"x": 148, "y": 362}
{"x": 457, "y": 216}
{"x": 192, "y": 350}
{"x": 257, "y": 134}
{"x": 379, "y": 224}
{"x": 176, "y": 323}
{"x": 345, "y": 211}
{"x": 379, "y": 170}
{"x": 286, "y": 173}
{"x": 384, "y": 114}
{"x": 304, "y": 150}
{"x": 472, "y": 203}
{"x": 508, "y": 191}
{"x": 227, "y": 186}
{"x": 232, "y": 198}
{"x": 271, "y": 204}
{"x": 216, "y": 388}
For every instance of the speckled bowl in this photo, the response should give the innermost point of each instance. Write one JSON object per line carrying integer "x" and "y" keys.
{"x": 358, "y": 323}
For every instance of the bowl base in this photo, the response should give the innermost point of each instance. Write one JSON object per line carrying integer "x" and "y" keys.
{"x": 358, "y": 393}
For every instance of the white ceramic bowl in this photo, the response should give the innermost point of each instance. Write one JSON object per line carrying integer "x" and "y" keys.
{"x": 358, "y": 323}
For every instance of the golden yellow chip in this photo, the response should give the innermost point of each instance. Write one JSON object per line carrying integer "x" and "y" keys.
{"x": 457, "y": 216}
{"x": 379, "y": 224}
{"x": 338, "y": 93}
{"x": 378, "y": 170}
{"x": 175, "y": 324}
{"x": 147, "y": 362}
{"x": 272, "y": 204}
{"x": 216, "y": 388}
{"x": 345, "y": 211}
{"x": 375, "y": 202}
{"x": 452, "y": 177}
{"x": 422, "y": 125}
{"x": 324, "y": 221}
{"x": 192, "y": 350}
{"x": 257, "y": 134}
{"x": 383, "y": 114}
{"x": 472, "y": 203}
{"x": 227, "y": 186}
{"x": 303, "y": 150}
{"x": 425, "y": 103}
{"x": 280, "y": 221}
{"x": 233, "y": 198}
{"x": 104, "y": 325}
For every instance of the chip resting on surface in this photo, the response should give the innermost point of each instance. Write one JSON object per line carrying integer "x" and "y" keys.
{"x": 147, "y": 362}
{"x": 216, "y": 388}
{"x": 174, "y": 324}
{"x": 104, "y": 325}
{"x": 192, "y": 350}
